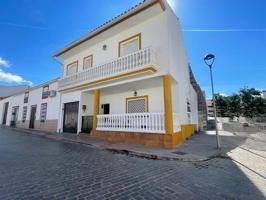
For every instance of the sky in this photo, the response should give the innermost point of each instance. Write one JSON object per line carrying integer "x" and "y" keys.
{"x": 234, "y": 30}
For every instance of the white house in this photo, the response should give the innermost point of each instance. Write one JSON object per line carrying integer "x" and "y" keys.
{"x": 36, "y": 107}
{"x": 128, "y": 80}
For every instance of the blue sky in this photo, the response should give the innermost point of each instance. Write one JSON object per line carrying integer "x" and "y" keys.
{"x": 234, "y": 30}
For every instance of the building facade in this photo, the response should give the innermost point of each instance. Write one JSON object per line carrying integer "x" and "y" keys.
{"x": 36, "y": 108}
{"x": 127, "y": 81}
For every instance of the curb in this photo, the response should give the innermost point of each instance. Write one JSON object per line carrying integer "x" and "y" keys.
{"x": 126, "y": 152}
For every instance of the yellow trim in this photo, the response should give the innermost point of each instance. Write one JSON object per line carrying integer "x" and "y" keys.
{"x": 90, "y": 56}
{"x": 187, "y": 130}
{"x": 137, "y": 36}
{"x": 96, "y": 107}
{"x": 152, "y": 69}
{"x": 167, "y": 85}
{"x": 146, "y": 97}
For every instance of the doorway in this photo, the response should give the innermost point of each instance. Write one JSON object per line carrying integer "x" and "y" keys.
{"x": 32, "y": 116}
{"x": 5, "y": 113}
{"x": 70, "y": 122}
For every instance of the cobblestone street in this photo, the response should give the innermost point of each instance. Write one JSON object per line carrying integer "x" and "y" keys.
{"x": 33, "y": 167}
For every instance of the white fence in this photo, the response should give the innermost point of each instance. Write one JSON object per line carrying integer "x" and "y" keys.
{"x": 139, "y": 59}
{"x": 135, "y": 122}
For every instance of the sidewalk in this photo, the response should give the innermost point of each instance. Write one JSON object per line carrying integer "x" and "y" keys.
{"x": 200, "y": 147}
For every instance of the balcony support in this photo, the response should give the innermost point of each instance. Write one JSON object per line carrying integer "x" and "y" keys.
{"x": 96, "y": 107}
{"x": 167, "y": 86}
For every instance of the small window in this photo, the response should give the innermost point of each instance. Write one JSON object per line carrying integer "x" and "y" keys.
{"x": 43, "y": 112}
{"x": 106, "y": 109}
{"x": 24, "y": 114}
{"x": 188, "y": 106}
{"x": 88, "y": 62}
{"x": 26, "y": 97}
{"x": 72, "y": 68}
{"x": 45, "y": 91}
{"x": 130, "y": 45}
{"x": 137, "y": 104}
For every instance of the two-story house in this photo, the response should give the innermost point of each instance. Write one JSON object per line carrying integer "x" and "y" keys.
{"x": 35, "y": 108}
{"x": 129, "y": 80}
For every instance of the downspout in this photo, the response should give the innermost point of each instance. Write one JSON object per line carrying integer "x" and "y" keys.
{"x": 59, "y": 123}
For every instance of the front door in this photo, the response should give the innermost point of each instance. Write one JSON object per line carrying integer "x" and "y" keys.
{"x": 70, "y": 123}
{"x": 5, "y": 113}
{"x": 14, "y": 116}
{"x": 32, "y": 116}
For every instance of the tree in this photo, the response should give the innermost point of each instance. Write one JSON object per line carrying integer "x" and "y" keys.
{"x": 221, "y": 105}
{"x": 235, "y": 109}
{"x": 248, "y": 102}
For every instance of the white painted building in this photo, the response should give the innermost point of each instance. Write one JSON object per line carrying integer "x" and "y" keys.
{"x": 128, "y": 80}
{"x": 36, "y": 107}
{"x": 129, "y": 75}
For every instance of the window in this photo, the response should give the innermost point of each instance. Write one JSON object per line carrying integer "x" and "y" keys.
{"x": 24, "y": 114}
{"x": 26, "y": 97}
{"x": 137, "y": 104}
{"x": 88, "y": 62}
{"x": 72, "y": 68}
{"x": 130, "y": 45}
{"x": 106, "y": 109}
{"x": 43, "y": 112}
{"x": 45, "y": 90}
{"x": 188, "y": 111}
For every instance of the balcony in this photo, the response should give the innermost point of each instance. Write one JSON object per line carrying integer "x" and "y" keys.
{"x": 113, "y": 69}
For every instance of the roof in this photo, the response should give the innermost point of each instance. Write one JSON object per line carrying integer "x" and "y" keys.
{"x": 6, "y": 91}
{"x": 25, "y": 89}
{"x": 114, "y": 21}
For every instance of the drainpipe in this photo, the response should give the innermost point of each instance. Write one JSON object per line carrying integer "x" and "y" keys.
{"x": 60, "y": 113}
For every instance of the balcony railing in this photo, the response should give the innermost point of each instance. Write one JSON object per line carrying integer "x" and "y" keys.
{"x": 132, "y": 122}
{"x": 131, "y": 62}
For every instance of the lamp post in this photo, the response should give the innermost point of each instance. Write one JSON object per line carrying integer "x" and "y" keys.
{"x": 209, "y": 59}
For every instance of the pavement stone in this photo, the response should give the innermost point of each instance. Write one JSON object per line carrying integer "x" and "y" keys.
{"x": 40, "y": 168}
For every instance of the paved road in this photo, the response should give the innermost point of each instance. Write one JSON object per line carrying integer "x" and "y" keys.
{"x": 32, "y": 167}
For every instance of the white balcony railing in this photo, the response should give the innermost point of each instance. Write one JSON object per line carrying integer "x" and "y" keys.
{"x": 132, "y": 122}
{"x": 134, "y": 61}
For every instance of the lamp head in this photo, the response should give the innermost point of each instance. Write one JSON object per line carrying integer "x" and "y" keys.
{"x": 209, "y": 59}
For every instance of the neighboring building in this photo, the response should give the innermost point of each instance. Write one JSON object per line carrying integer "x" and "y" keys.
{"x": 210, "y": 108}
{"x": 124, "y": 81}
{"x": 264, "y": 94}
{"x": 202, "y": 104}
{"x": 127, "y": 80}
{"x": 36, "y": 107}
{"x": 7, "y": 91}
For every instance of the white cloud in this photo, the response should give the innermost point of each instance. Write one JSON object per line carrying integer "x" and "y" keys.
{"x": 4, "y": 63}
{"x": 12, "y": 78}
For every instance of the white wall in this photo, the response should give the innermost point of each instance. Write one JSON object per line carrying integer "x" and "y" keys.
{"x": 35, "y": 98}
{"x": 117, "y": 101}
{"x": 153, "y": 33}
{"x": 178, "y": 67}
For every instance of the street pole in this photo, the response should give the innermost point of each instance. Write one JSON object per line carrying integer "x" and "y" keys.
{"x": 214, "y": 110}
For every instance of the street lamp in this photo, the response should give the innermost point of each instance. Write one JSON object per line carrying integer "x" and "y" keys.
{"x": 209, "y": 59}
